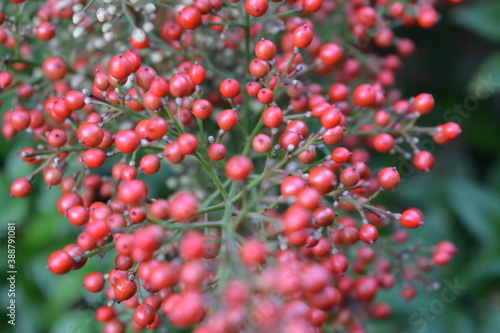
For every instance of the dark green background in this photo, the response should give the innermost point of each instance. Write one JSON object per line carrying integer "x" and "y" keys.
{"x": 460, "y": 197}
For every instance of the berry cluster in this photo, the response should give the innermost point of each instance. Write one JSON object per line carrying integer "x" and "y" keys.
{"x": 262, "y": 117}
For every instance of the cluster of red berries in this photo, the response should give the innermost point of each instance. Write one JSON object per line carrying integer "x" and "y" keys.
{"x": 265, "y": 130}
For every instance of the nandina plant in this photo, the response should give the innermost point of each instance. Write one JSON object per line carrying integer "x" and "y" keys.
{"x": 262, "y": 117}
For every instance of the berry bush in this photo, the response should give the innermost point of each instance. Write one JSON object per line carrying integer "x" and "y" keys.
{"x": 228, "y": 155}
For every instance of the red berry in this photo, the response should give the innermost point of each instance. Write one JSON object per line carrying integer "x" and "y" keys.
{"x": 302, "y": 36}
{"x": 189, "y": 18}
{"x": 368, "y": 233}
{"x": 388, "y": 178}
{"x": 21, "y": 188}
{"x": 411, "y": 218}
{"x": 60, "y": 262}
{"x": 120, "y": 67}
{"x": 423, "y": 161}
{"x": 239, "y": 167}
{"x": 217, "y": 151}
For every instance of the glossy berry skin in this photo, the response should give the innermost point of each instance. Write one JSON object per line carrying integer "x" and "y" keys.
{"x": 388, "y": 178}
{"x": 124, "y": 289}
{"x": 189, "y": 18}
{"x": 94, "y": 157}
{"x": 302, "y": 36}
{"x": 21, "y": 188}
{"x": 120, "y": 67}
{"x": 411, "y": 219}
{"x": 54, "y": 68}
{"x": 424, "y": 103}
{"x": 423, "y": 161}
{"x": 184, "y": 206}
{"x": 368, "y": 234}
{"x": 383, "y": 143}
{"x": 60, "y": 262}
{"x": 188, "y": 143}
{"x": 256, "y": 8}
{"x": 45, "y": 31}
{"x": 273, "y": 117}
{"x": 228, "y": 119}
{"x": 217, "y": 151}
{"x": 94, "y": 282}
{"x": 265, "y": 49}
{"x": 202, "y": 109}
{"x": 239, "y": 167}
{"x": 90, "y": 135}
{"x": 230, "y": 88}
{"x": 364, "y": 95}
{"x": 340, "y": 264}
{"x": 144, "y": 315}
{"x": 127, "y": 141}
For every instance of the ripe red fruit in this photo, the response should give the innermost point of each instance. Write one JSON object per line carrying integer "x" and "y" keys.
{"x": 366, "y": 288}
{"x": 331, "y": 54}
{"x": 217, "y": 151}
{"x": 94, "y": 157}
{"x": 90, "y": 135}
{"x": 302, "y": 36}
{"x": 228, "y": 119}
{"x": 423, "y": 161}
{"x": 230, "y": 88}
{"x": 54, "y": 68}
{"x": 383, "y": 143}
{"x": 265, "y": 49}
{"x": 45, "y": 31}
{"x": 133, "y": 192}
{"x": 202, "y": 109}
{"x": 94, "y": 282}
{"x": 273, "y": 117}
{"x": 189, "y": 18}
{"x": 365, "y": 95}
{"x": 60, "y": 262}
{"x": 74, "y": 100}
{"x": 239, "y": 167}
{"x": 127, "y": 141}
{"x": 256, "y": 8}
{"x": 388, "y": 178}
{"x": 120, "y": 67}
{"x": 349, "y": 177}
{"x": 265, "y": 96}
{"x": 424, "y": 103}
{"x": 21, "y": 188}
{"x": 144, "y": 315}
{"x": 124, "y": 289}
{"x": 188, "y": 143}
{"x": 339, "y": 264}
{"x": 198, "y": 74}
{"x": 184, "y": 206}
{"x": 411, "y": 218}
{"x": 368, "y": 233}
{"x": 20, "y": 119}
{"x": 451, "y": 130}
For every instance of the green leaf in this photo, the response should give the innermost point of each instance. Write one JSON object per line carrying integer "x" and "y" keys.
{"x": 476, "y": 207}
{"x": 480, "y": 18}
{"x": 486, "y": 80}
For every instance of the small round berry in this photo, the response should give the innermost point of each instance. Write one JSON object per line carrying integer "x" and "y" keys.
{"x": 302, "y": 36}
{"x": 265, "y": 49}
{"x": 188, "y": 143}
{"x": 411, "y": 218}
{"x": 368, "y": 233}
{"x": 388, "y": 178}
{"x": 127, "y": 141}
{"x": 423, "y": 160}
{"x": 21, "y": 188}
{"x": 60, "y": 262}
{"x": 239, "y": 167}
{"x": 230, "y": 88}
{"x": 189, "y": 18}
{"x": 424, "y": 103}
{"x": 217, "y": 151}
{"x": 183, "y": 206}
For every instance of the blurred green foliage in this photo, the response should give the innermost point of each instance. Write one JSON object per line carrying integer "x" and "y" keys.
{"x": 460, "y": 197}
